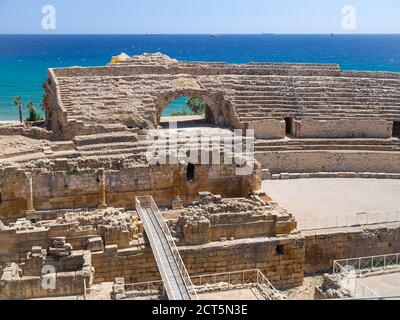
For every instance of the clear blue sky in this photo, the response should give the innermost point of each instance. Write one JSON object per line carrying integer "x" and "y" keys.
{"x": 200, "y": 16}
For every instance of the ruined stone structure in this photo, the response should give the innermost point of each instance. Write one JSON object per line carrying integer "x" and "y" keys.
{"x": 213, "y": 219}
{"x": 60, "y": 182}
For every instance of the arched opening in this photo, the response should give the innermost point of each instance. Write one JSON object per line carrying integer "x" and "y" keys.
{"x": 185, "y": 107}
{"x": 188, "y": 107}
{"x": 190, "y": 171}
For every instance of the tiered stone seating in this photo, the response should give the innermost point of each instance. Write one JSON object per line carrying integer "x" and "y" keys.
{"x": 256, "y": 91}
{"x": 263, "y": 146}
{"x": 259, "y": 97}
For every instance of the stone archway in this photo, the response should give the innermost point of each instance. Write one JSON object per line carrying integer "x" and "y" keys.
{"x": 218, "y": 111}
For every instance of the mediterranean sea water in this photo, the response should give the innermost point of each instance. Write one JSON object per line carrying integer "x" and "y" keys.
{"x": 24, "y": 59}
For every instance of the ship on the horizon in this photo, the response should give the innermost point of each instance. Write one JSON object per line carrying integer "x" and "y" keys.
{"x": 267, "y": 34}
{"x": 215, "y": 35}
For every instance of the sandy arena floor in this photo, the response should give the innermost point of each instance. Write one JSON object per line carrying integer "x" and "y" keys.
{"x": 332, "y": 197}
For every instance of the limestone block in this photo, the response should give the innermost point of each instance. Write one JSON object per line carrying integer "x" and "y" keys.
{"x": 95, "y": 244}
{"x": 111, "y": 250}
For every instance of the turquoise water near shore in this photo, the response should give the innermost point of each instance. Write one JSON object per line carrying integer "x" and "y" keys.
{"x": 174, "y": 106}
{"x": 24, "y": 59}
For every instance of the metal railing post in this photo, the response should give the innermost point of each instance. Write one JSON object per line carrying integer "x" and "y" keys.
{"x": 84, "y": 289}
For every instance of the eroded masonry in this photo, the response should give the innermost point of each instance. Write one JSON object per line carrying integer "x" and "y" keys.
{"x": 69, "y": 186}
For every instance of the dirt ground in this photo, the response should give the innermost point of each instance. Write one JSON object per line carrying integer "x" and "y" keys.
{"x": 306, "y": 291}
{"x": 15, "y": 144}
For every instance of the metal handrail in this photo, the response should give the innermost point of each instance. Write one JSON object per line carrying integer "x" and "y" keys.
{"x": 150, "y": 285}
{"x": 351, "y": 220}
{"x": 242, "y": 277}
{"x": 171, "y": 242}
{"x": 344, "y": 274}
{"x": 343, "y": 268}
{"x": 157, "y": 255}
{"x": 368, "y": 263}
{"x": 252, "y": 276}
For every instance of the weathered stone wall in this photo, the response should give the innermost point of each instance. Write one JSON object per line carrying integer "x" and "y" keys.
{"x": 343, "y": 128}
{"x": 322, "y": 248}
{"x": 13, "y": 191}
{"x": 283, "y": 268}
{"x": 68, "y": 283}
{"x": 81, "y": 188}
{"x": 135, "y": 264}
{"x": 26, "y": 131}
{"x": 13, "y": 285}
{"x": 329, "y": 161}
{"x": 268, "y": 129}
{"x": 56, "y": 114}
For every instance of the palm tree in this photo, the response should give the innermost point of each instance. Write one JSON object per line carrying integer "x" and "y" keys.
{"x": 33, "y": 115}
{"x": 17, "y": 102}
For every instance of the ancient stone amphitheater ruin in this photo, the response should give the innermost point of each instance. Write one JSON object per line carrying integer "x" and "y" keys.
{"x": 78, "y": 192}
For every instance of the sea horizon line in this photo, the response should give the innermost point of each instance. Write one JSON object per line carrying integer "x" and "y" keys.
{"x": 200, "y": 34}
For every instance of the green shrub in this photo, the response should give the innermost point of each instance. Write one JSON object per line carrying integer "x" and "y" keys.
{"x": 33, "y": 115}
{"x": 40, "y": 164}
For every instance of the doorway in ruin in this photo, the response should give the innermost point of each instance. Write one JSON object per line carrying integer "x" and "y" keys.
{"x": 396, "y": 129}
{"x": 288, "y": 126}
{"x": 190, "y": 172}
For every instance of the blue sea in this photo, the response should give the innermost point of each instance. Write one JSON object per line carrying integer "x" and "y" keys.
{"x": 24, "y": 59}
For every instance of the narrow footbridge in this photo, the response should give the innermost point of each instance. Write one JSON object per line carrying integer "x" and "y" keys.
{"x": 177, "y": 283}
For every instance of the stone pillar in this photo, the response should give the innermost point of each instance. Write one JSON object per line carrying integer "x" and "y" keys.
{"x": 102, "y": 191}
{"x": 30, "y": 211}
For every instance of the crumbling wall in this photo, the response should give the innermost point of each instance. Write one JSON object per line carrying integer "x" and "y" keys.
{"x": 78, "y": 228}
{"x": 322, "y": 248}
{"x": 331, "y": 289}
{"x": 213, "y": 218}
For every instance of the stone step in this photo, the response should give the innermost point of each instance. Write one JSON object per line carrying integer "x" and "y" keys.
{"x": 27, "y": 157}
{"x": 72, "y": 154}
{"x": 107, "y": 146}
{"x": 327, "y": 147}
{"x": 344, "y": 141}
{"x": 62, "y": 146}
{"x": 105, "y": 138}
{"x": 24, "y": 154}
